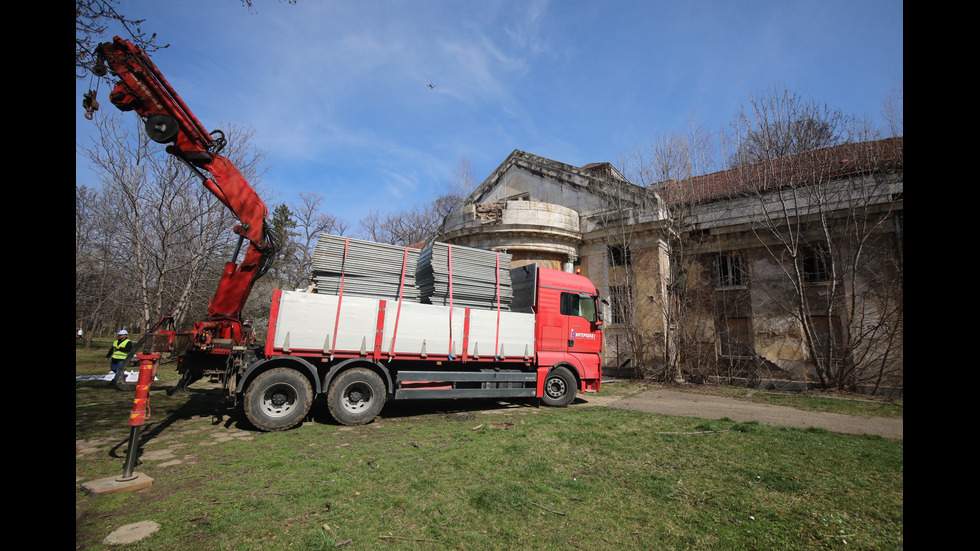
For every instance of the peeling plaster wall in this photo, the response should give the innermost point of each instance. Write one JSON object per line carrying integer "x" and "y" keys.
{"x": 543, "y": 211}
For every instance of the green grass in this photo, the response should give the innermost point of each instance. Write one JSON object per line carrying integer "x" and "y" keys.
{"x": 480, "y": 475}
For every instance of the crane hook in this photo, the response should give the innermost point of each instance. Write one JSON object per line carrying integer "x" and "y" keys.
{"x": 89, "y": 103}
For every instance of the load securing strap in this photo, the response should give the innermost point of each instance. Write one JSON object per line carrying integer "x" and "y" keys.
{"x": 449, "y": 260}
{"x": 398, "y": 311}
{"x": 340, "y": 294}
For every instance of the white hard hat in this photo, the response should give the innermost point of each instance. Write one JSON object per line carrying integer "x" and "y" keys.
{"x": 122, "y": 332}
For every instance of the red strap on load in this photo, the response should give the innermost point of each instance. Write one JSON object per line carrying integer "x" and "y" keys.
{"x": 449, "y": 259}
{"x": 496, "y": 343}
{"x": 398, "y": 312}
{"x": 340, "y": 295}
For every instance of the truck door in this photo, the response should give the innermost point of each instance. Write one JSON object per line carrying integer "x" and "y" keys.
{"x": 580, "y": 321}
{"x": 552, "y": 326}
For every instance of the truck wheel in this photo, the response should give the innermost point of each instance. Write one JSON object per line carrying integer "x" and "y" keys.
{"x": 278, "y": 399}
{"x": 356, "y": 396}
{"x": 559, "y": 388}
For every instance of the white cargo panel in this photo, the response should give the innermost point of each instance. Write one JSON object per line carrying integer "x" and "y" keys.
{"x": 309, "y": 322}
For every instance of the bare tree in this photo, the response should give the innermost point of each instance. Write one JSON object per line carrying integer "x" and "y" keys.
{"x": 93, "y": 18}
{"x": 677, "y": 157}
{"x": 832, "y": 218}
{"x": 777, "y": 122}
{"x": 100, "y": 289}
{"x": 893, "y": 111}
{"x": 676, "y": 291}
{"x": 684, "y": 297}
{"x": 829, "y": 224}
{"x": 420, "y": 223}
{"x": 458, "y": 189}
{"x": 310, "y": 223}
{"x": 402, "y": 228}
{"x": 172, "y": 236}
{"x": 627, "y": 259}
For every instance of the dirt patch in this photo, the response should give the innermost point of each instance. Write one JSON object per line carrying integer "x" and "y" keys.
{"x": 687, "y": 404}
{"x": 596, "y": 400}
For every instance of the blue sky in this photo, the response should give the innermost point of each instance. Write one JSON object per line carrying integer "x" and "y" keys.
{"x": 338, "y": 96}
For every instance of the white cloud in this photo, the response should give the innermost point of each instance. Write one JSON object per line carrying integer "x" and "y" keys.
{"x": 337, "y": 92}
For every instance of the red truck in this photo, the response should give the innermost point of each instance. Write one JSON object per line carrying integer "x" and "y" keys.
{"x": 358, "y": 351}
{"x": 363, "y": 351}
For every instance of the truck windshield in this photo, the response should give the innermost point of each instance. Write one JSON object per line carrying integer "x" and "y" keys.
{"x": 573, "y": 304}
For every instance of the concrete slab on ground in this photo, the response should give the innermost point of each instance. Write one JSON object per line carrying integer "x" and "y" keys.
{"x": 113, "y": 485}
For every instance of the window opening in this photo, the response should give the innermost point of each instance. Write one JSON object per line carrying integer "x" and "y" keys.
{"x": 816, "y": 266}
{"x": 619, "y": 255}
{"x": 618, "y": 302}
{"x": 730, "y": 271}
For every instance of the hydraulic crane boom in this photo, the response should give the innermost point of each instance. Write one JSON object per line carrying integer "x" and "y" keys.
{"x": 143, "y": 89}
{"x": 224, "y": 339}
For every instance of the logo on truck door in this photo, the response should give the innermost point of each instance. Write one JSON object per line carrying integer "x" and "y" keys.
{"x": 589, "y": 336}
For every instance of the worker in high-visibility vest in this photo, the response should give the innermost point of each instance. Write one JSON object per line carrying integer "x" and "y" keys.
{"x": 118, "y": 352}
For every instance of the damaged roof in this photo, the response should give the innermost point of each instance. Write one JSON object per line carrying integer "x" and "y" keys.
{"x": 810, "y": 167}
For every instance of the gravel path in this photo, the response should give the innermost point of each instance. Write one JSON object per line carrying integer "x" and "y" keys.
{"x": 687, "y": 404}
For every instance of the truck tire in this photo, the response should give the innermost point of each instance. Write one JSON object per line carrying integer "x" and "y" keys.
{"x": 559, "y": 388}
{"x": 356, "y": 396}
{"x": 278, "y": 399}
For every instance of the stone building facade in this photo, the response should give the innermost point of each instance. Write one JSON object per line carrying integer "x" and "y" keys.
{"x": 699, "y": 277}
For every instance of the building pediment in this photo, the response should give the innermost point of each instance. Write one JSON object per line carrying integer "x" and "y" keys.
{"x": 527, "y": 177}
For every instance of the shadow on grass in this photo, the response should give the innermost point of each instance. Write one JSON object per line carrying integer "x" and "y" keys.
{"x": 190, "y": 403}
{"x": 463, "y": 407}
{"x": 184, "y": 405}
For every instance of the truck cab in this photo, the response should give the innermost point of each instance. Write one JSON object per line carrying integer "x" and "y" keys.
{"x": 568, "y": 321}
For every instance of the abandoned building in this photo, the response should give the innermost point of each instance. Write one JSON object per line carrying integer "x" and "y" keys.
{"x": 788, "y": 270}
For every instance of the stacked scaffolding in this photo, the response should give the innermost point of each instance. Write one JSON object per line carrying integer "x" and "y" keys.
{"x": 475, "y": 279}
{"x": 365, "y": 268}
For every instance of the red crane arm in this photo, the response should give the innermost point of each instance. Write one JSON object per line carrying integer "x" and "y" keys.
{"x": 143, "y": 89}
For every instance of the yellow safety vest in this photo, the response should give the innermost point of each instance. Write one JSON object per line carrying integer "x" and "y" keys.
{"x": 118, "y": 353}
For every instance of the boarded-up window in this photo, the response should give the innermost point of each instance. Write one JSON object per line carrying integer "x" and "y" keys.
{"x": 735, "y": 335}
{"x": 618, "y": 303}
{"x": 827, "y": 331}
